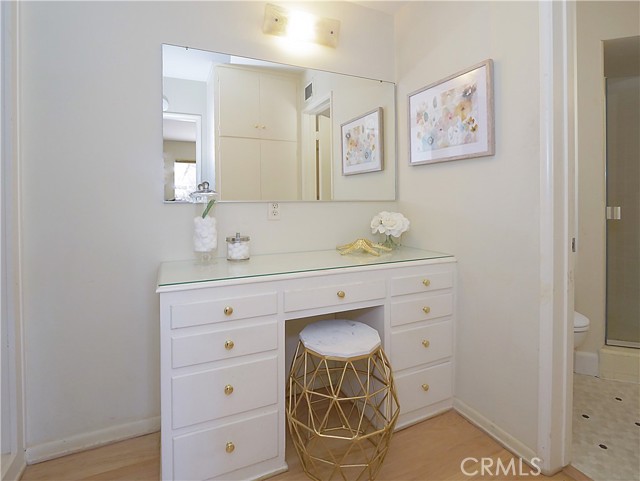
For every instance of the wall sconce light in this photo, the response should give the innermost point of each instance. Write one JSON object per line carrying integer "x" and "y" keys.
{"x": 300, "y": 26}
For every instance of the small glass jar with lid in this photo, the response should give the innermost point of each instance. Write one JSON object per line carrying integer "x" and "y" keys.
{"x": 238, "y": 247}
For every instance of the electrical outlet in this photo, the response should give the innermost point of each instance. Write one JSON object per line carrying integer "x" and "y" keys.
{"x": 273, "y": 212}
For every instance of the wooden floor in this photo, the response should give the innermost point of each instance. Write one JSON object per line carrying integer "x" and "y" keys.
{"x": 429, "y": 451}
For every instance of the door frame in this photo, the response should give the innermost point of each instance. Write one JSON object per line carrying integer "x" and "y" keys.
{"x": 557, "y": 232}
{"x": 10, "y": 281}
{"x": 308, "y": 130}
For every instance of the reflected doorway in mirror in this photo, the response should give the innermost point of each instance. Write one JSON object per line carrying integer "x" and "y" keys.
{"x": 182, "y": 152}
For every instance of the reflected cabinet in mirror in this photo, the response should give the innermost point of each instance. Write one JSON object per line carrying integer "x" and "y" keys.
{"x": 265, "y": 131}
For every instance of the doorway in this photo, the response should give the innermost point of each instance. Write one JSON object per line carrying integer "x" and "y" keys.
{"x": 605, "y": 400}
{"x": 323, "y": 155}
{"x": 317, "y": 165}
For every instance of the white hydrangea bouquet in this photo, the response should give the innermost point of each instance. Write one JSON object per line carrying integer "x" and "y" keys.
{"x": 391, "y": 224}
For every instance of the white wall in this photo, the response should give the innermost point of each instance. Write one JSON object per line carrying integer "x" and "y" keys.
{"x": 484, "y": 210}
{"x": 91, "y": 119}
{"x": 596, "y": 21}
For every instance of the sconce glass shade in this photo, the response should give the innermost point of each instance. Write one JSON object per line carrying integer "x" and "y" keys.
{"x": 300, "y": 26}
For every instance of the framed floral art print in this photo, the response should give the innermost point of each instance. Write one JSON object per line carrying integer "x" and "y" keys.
{"x": 453, "y": 118}
{"x": 362, "y": 146}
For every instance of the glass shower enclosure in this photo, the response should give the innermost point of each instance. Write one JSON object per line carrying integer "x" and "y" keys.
{"x": 623, "y": 203}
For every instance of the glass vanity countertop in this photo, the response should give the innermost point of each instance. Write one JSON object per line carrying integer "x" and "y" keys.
{"x": 176, "y": 273}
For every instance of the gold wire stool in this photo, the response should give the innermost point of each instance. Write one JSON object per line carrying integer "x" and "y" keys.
{"x": 342, "y": 404}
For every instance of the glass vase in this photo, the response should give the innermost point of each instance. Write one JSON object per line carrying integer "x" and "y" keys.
{"x": 205, "y": 238}
{"x": 391, "y": 242}
{"x": 205, "y": 233}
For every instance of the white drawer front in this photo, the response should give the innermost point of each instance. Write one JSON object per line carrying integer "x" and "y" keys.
{"x": 223, "y": 344}
{"x": 422, "y": 309}
{"x": 421, "y": 283}
{"x": 203, "y": 454}
{"x": 197, "y": 313}
{"x": 296, "y": 300}
{"x": 411, "y": 387}
{"x": 201, "y": 396}
{"x": 421, "y": 345}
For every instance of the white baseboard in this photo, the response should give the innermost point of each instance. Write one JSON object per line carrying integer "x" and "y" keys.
{"x": 505, "y": 439}
{"x": 93, "y": 439}
{"x": 586, "y": 363}
{"x": 13, "y": 466}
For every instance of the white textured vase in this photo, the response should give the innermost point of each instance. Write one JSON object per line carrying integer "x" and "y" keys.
{"x": 205, "y": 238}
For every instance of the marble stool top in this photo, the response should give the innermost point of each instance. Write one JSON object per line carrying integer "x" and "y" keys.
{"x": 340, "y": 338}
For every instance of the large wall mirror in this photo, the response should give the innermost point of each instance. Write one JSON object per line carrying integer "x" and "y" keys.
{"x": 261, "y": 131}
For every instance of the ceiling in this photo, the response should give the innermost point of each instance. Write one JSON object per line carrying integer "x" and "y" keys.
{"x": 388, "y": 7}
{"x": 181, "y": 130}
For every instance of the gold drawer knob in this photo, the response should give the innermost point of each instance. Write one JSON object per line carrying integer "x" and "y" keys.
{"x": 426, "y": 309}
{"x": 230, "y": 447}
{"x": 228, "y": 310}
{"x": 426, "y": 282}
{"x": 425, "y": 387}
{"x": 228, "y": 389}
{"x": 425, "y": 342}
{"x": 341, "y": 294}
{"x": 228, "y": 344}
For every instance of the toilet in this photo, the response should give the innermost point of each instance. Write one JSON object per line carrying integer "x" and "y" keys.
{"x": 580, "y": 328}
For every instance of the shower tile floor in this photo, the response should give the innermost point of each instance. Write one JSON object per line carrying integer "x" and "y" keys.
{"x": 606, "y": 428}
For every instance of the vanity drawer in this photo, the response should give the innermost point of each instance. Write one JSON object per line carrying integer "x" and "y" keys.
{"x": 223, "y": 344}
{"x": 203, "y": 454}
{"x": 421, "y": 283}
{"x": 424, "y": 387}
{"x": 204, "y": 396}
{"x": 296, "y": 300}
{"x": 421, "y": 345}
{"x": 225, "y": 309}
{"x": 421, "y": 309}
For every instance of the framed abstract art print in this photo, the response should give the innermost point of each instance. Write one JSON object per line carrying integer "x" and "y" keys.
{"x": 362, "y": 146}
{"x": 453, "y": 118}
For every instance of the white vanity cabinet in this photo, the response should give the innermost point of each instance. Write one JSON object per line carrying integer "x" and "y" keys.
{"x": 220, "y": 381}
{"x": 223, "y": 338}
{"x": 422, "y": 336}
